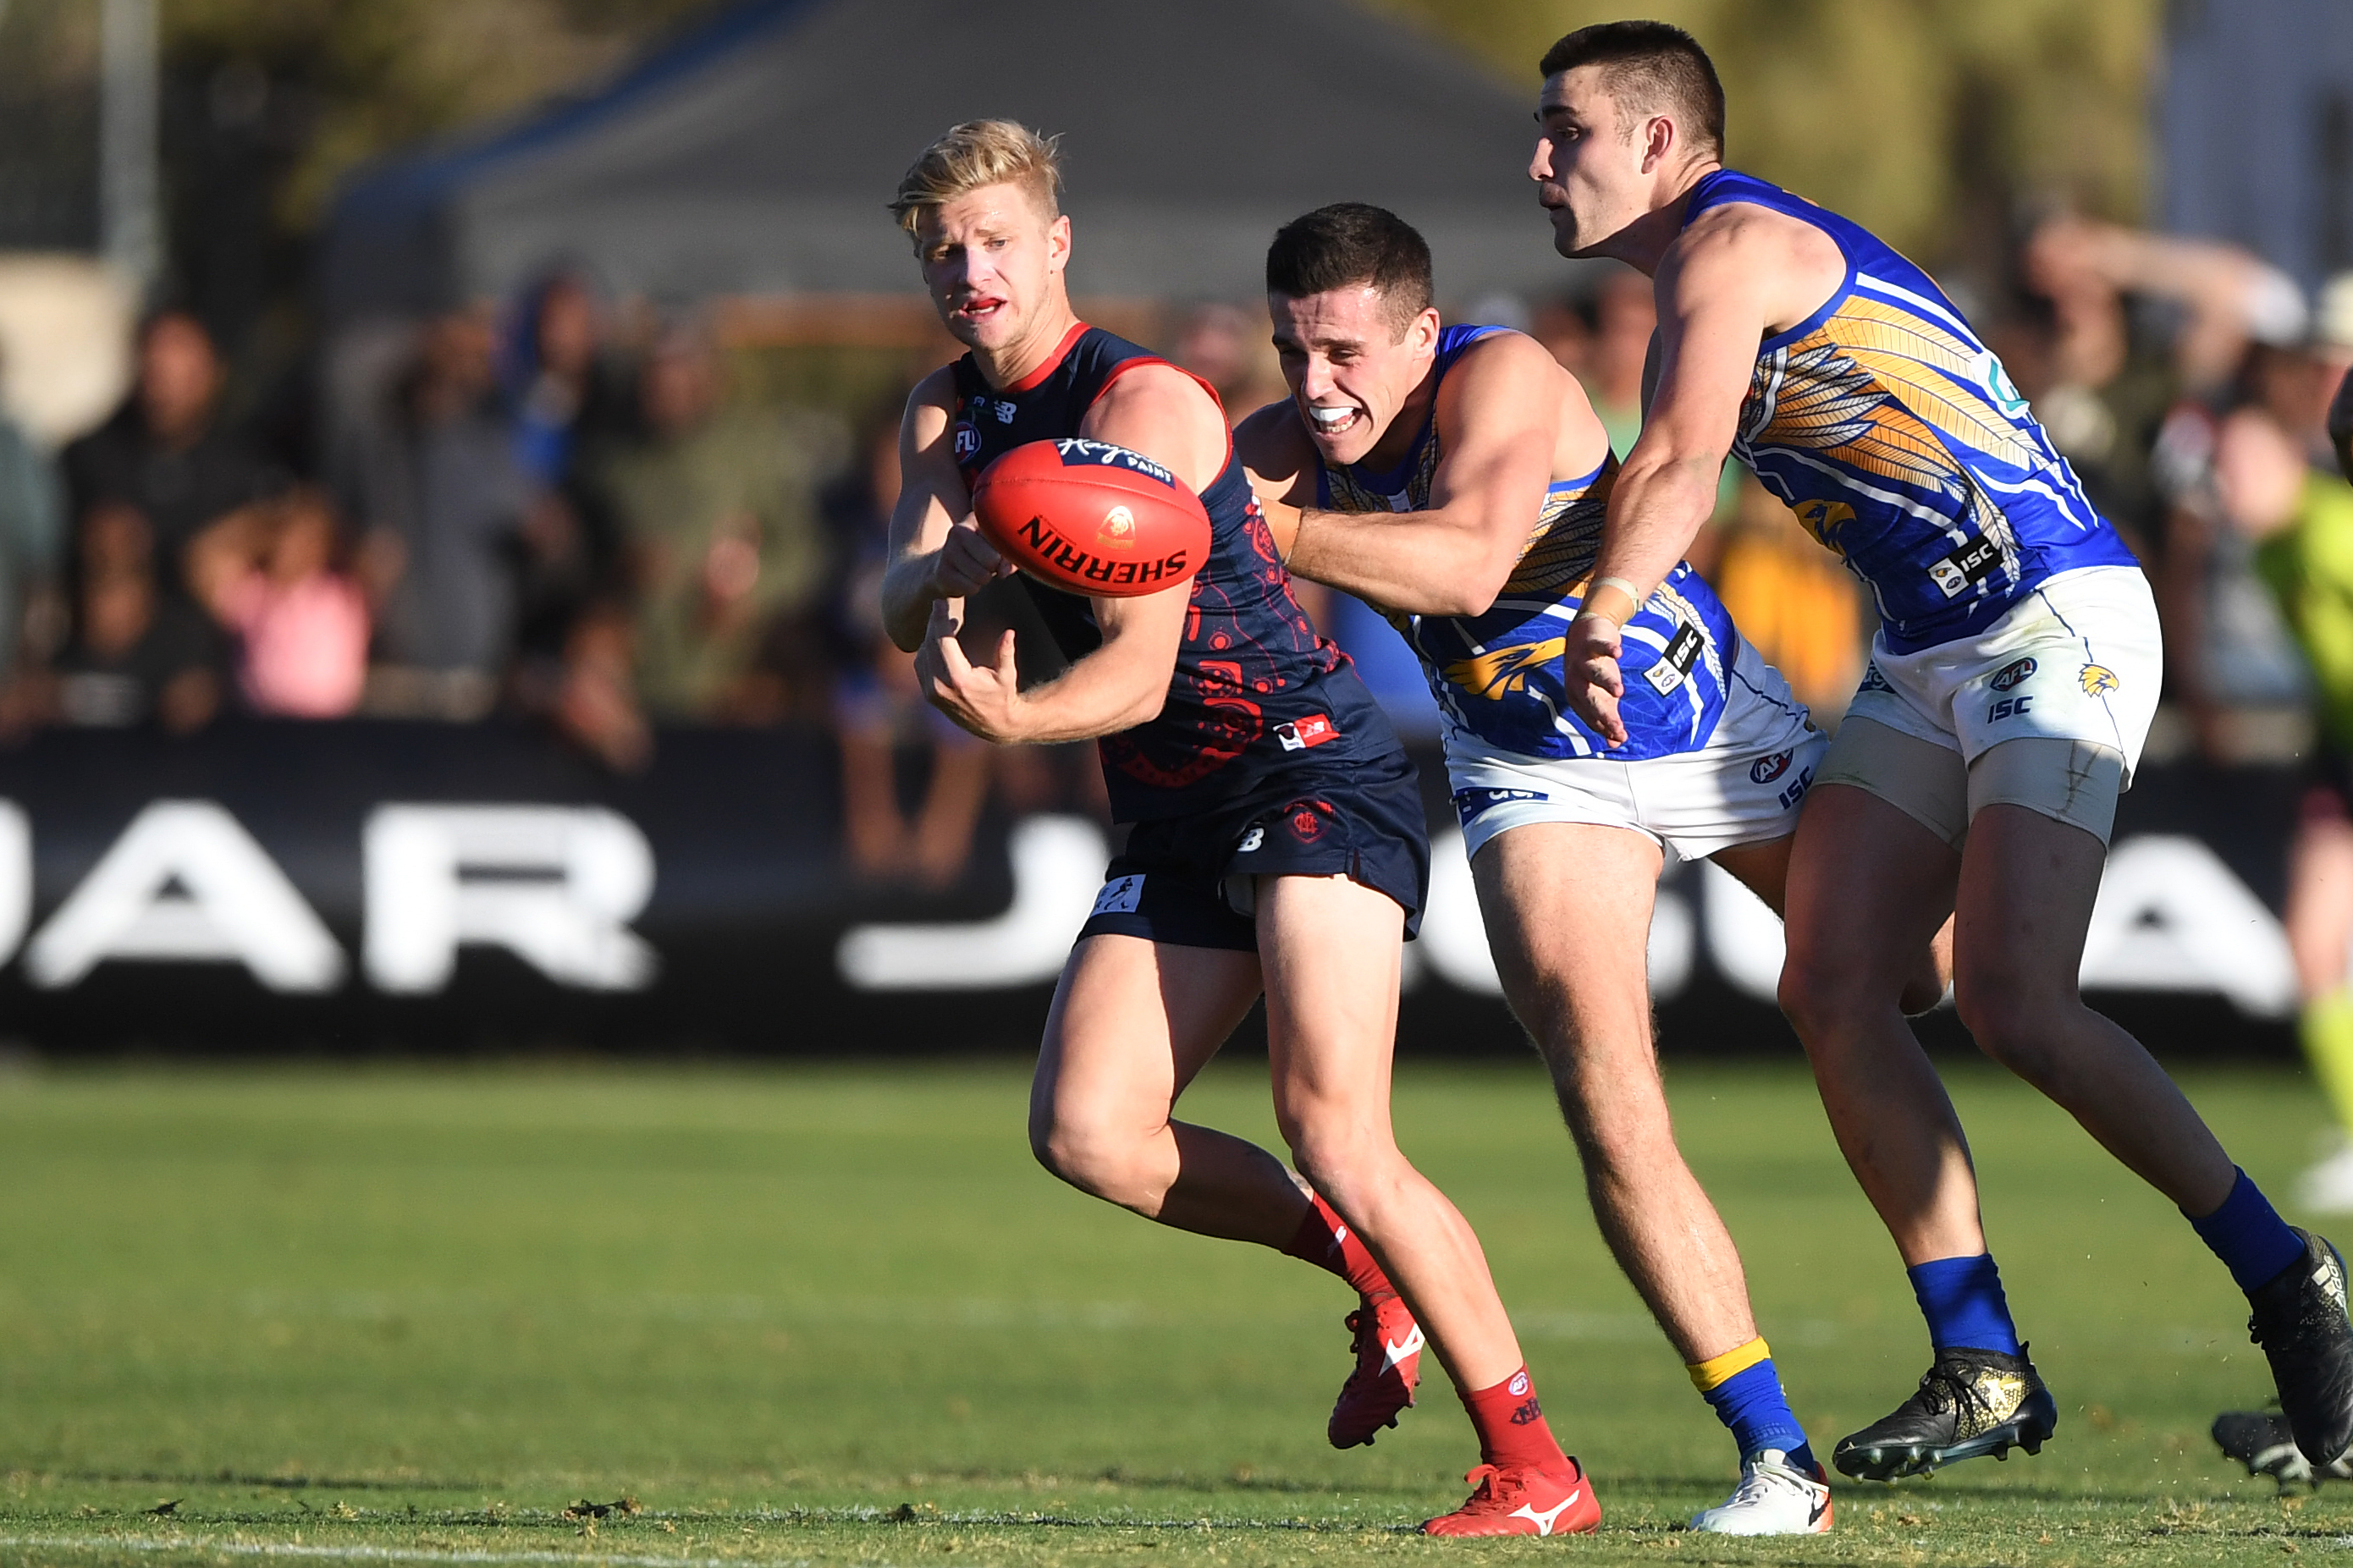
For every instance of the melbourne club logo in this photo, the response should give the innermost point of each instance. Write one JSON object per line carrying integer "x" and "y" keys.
{"x": 2010, "y": 673}
{"x": 1765, "y": 770}
{"x": 2098, "y": 679}
{"x": 1306, "y": 824}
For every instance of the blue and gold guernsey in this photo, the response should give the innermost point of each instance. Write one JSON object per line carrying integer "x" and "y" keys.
{"x": 1497, "y": 675}
{"x": 1897, "y": 439}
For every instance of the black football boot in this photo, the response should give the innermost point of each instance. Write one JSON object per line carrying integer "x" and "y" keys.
{"x": 2300, "y": 1320}
{"x": 2261, "y": 1440}
{"x": 1971, "y": 1403}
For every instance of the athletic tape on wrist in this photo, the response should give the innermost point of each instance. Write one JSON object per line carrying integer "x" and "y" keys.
{"x": 1618, "y": 584}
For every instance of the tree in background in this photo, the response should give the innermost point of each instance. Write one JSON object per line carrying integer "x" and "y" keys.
{"x": 1929, "y": 121}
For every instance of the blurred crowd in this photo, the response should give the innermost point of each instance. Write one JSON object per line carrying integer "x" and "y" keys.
{"x": 522, "y": 511}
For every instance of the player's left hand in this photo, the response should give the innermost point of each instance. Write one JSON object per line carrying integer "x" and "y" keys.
{"x": 984, "y": 699}
{"x": 1591, "y": 677}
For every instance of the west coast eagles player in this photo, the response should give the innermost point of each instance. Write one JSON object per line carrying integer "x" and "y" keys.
{"x": 1277, "y": 843}
{"x": 2010, "y": 686}
{"x": 1455, "y": 476}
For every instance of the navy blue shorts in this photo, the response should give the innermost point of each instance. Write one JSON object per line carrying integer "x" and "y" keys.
{"x": 1187, "y": 881}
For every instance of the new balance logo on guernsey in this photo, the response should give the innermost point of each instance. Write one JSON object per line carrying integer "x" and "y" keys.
{"x": 1544, "y": 1518}
{"x": 1298, "y": 735}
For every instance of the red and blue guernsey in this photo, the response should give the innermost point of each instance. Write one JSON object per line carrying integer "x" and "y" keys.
{"x": 1497, "y": 675}
{"x": 1257, "y": 697}
{"x": 1897, "y": 439}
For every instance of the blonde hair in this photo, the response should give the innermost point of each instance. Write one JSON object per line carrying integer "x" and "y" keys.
{"x": 981, "y": 153}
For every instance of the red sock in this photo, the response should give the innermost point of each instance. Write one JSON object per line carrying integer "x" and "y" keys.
{"x": 1325, "y": 1240}
{"x": 1511, "y": 1424}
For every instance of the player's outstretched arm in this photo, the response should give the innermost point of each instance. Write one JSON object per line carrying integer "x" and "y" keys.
{"x": 1162, "y": 414}
{"x": 936, "y": 553}
{"x": 1715, "y": 289}
{"x": 1499, "y": 424}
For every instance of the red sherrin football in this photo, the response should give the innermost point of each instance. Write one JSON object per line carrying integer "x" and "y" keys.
{"x": 1091, "y": 518}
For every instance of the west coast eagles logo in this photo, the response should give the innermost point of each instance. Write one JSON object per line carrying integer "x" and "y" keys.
{"x": 2098, "y": 679}
{"x": 1506, "y": 669}
{"x": 1118, "y": 529}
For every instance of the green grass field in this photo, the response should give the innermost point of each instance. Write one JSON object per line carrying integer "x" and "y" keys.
{"x": 835, "y": 1315}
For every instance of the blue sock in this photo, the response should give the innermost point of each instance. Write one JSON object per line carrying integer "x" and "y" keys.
{"x": 1751, "y": 1405}
{"x": 2248, "y": 1235}
{"x": 1962, "y": 1299}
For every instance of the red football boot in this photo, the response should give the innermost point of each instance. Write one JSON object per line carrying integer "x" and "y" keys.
{"x": 1522, "y": 1500}
{"x": 1387, "y": 1342}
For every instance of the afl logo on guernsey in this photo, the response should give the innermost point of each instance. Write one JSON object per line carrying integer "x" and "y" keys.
{"x": 2010, "y": 673}
{"x": 968, "y": 441}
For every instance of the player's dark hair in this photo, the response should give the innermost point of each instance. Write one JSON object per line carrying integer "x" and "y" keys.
{"x": 1350, "y": 244}
{"x": 1647, "y": 67}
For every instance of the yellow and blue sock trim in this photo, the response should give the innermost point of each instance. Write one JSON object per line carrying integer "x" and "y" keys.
{"x": 1745, "y": 1391}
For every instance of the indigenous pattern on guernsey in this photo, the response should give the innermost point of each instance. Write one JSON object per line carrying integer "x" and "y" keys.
{"x": 1258, "y": 699}
{"x": 1897, "y": 437}
{"x": 1497, "y": 676}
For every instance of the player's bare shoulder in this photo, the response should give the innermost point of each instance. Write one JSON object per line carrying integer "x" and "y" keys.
{"x": 1509, "y": 378}
{"x": 1163, "y": 413}
{"x": 1787, "y": 266}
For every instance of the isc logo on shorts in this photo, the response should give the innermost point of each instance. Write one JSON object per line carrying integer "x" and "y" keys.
{"x": 1298, "y": 735}
{"x": 1469, "y": 803}
{"x": 1119, "y": 896}
{"x": 1765, "y": 770}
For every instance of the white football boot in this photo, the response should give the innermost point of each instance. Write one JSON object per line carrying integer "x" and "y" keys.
{"x": 1774, "y": 1498}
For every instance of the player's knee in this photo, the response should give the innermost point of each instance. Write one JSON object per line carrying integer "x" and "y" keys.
{"x": 1087, "y": 1156}
{"x": 2010, "y": 1022}
{"x": 1815, "y": 997}
{"x": 1337, "y": 1161}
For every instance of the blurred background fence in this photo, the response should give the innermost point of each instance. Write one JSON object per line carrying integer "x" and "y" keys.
{"x": 446, "y": 449}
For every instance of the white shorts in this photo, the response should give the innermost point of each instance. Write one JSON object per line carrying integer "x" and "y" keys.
{"x": 2079, "y": 659}
{"x": 1741, "y": 787}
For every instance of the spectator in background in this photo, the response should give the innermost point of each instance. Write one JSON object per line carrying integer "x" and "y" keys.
{"x": 32, "y": 539}
{"x": 2298, "y": 522}
{"x": 1228, "y": 348}
{"x": 2106, "y": 392}
{"x": 725, "y": 554}
{"x": 161, "y": 463}
{"x": 443, "y": 504}
{"x": 270, "y": 574}
{"x": 138, "y": 653}
{"x": 566, "y": 395}
{"x": 570, "y": 406}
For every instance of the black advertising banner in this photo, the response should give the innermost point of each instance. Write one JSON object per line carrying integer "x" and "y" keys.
{"x": 375, "y": 886}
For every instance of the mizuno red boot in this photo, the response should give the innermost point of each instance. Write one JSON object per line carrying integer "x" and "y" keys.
{"x": 1387, "y": 1342}
{"x": 1524, "y": 1499}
